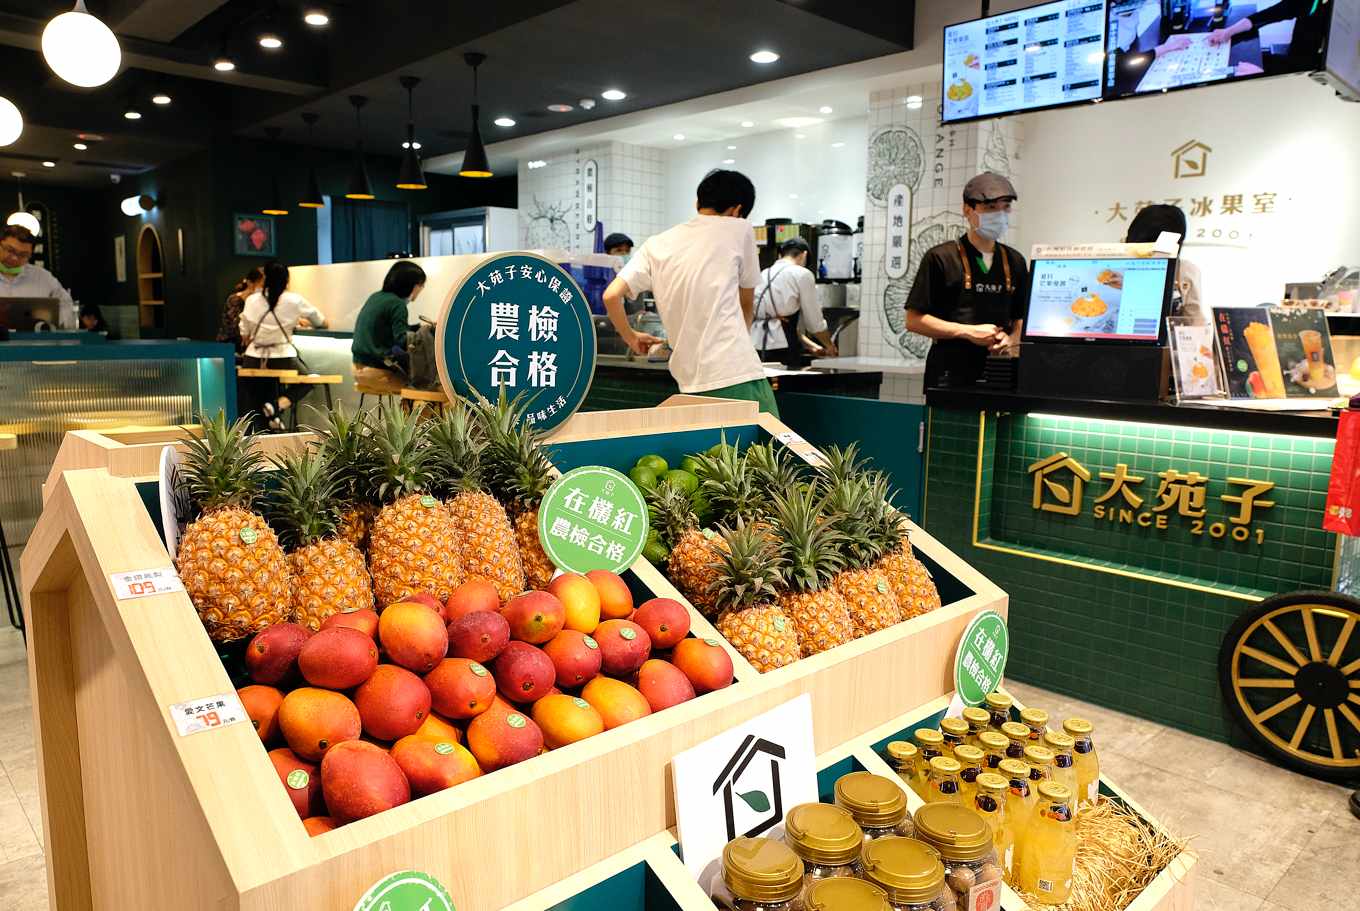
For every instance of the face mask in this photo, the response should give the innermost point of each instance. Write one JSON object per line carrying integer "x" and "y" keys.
{"x": 993, "y": 225}
{"x": 11, "y": 270}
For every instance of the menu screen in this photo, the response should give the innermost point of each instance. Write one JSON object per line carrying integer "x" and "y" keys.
{"x": 1343, "y": 46}
{"x": 1038, "y": 57}
{"x": 1108, "y": 298}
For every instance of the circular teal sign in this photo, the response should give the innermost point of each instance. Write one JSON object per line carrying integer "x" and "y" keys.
{"x": 980, "y": 660}
{"x": 406, "y": 891}
{"x": 592, "y": 518}
{"x": 519, "y": 322}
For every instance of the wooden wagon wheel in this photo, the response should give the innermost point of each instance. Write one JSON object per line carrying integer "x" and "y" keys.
{"x": 1290, "y": 673}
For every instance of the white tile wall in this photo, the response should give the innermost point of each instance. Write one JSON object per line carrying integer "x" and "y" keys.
{"x": 630, "y": 193}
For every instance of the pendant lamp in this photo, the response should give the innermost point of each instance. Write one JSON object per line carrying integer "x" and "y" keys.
{"x": 313, "y": 199}
{"x": 81, "y": 49}
{"x": 21, "y": 216}
{"x": 474, "y": 158}
{"x": 11, "y": 122}
{"x": 360, "y": 187}
{"x": 412, "y": 175}
{"x": 276, "y": 206}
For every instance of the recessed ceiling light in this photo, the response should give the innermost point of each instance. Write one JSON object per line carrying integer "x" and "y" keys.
{"x": 270, "y": 41}
{"x": 613, "y": 95}
{"x": 748, "y": 123}
{"x": 731, "y": 148}
{"x": 800, "y": 136}
{"x": 316, "y": 18}
{"x": 797, "y": 123}
{"x": 793, "y": 196}
{"x": 914, "y": 102}
{"x": 132, "y": 115}
{"x": 837, "y": 145}
{"x": 49, "y": 164}
{"x": 764, "y": 56}
{"x": 536, "y": 164}
{"x": 79, "y": 146}
{"x": 504, "y": 121}
{"x": 729, "y": 161}
{"x": 825, "y": 109}
{"x": 160, "y": 98}
{"x": 408, "y": 145}
{"x": 679, "y": 137}
{"x": 224, "y": 65}
{"x": 560, "y": 108}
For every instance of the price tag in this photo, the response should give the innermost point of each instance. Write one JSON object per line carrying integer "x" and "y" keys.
{"x": 207, "y": 713}
{"x": 789, "y": 438}
{"x": 141, "y": 583}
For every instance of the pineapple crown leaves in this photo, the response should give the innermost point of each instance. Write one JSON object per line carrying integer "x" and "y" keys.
{"x": 516, "y": 466}
{"x": 748, "y": 571}
{"x": 774, "y": 469}
{"x": 401, "y": 458}
{"x": 889, "y": 524}
{"x": 302, "y": 507}
{"x": 850, "y": 510}
{"x": 808, "y": 545}
{"x": 221, "y": 468}
{"x": 841, "y": 463}
{"x": 730, "y": 486}
{"x": 671, "y": 513}
{"x": 457, "y": 451}
{"x": 347, "y": 449}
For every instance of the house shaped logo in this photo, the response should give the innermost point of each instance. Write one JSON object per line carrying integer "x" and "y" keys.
{"x": 1059, "y": 483}
{"x": 1190, "y": 160}
{"x": 758, "y": 762}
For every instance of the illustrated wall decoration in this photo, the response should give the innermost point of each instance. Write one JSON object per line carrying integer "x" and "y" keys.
{"x": 253, "y": 235}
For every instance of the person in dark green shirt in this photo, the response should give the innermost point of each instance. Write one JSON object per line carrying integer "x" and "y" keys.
{"x": 379, "y": 346}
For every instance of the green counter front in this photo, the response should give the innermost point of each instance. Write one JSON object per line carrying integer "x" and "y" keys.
{"x": 1129, "y": 537}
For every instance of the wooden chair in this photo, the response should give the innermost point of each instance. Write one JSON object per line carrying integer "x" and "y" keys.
{"x": 8, "y": 580}
{"x": 324, "y": 380}
{"x": 435, "y": 398}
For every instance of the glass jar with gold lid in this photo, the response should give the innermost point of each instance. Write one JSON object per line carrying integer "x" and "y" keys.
{"x": 967, "y": 850}
{"x": 1036, "y": 720}
{"x": 979, "y": 720}
{"x": 826, "y": 838}
{"x": 845, "y": 895}
{"x": 1017, "y": 738}
{"x": 759, "y": 874}
{"x": 993, "y": 745}
{"x": 878, "y": 804}
{"x": 955, "y": 733}
{"x": 906, "y": 760}
{"x": 999, "y": 708}
{"x": 910, "y": 872}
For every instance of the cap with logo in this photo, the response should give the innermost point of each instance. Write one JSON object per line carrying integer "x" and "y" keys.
{"x": 989, "y": 187}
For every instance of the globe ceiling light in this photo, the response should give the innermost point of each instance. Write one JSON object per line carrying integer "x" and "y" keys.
{"x": 11, "y": 122}
{"x": 27, "y": 220}
{"x": 81, "y": 49}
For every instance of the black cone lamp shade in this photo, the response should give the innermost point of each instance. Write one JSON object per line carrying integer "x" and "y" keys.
{"x": 276, "y": 206}
{"x": 313, "y": 199}
{"x": 412, "y": 175}
{"x": 474, "y": 157}
{"x": 360, "y": 187}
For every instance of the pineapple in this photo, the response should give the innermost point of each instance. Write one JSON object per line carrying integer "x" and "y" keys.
{"x": 807, "y": 546}
{"x": 911, "y": 583}
{"x": 229, "y": 559}
{"x": 744, "y": 591}
{"x": 489, "y": 547}
{"x": 729, "y": 486}
{"x": 344, "y": 446}
{"x": 774, "y": 470}
{"x": 692, "y": 565}
{"x": 329, "y": 575}
{"x": 519, "y": 472}
{"x": 850, "y": 503}
{"x": 414, "y": 543}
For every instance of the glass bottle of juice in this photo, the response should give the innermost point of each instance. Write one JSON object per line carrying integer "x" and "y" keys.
{"x": 999, "y": 708}
{"x": 955, "y": 732}
{"x": 931, "y": 744}
{"x": 979, "y": 720}
{"x": 1087, "y": 763}
{"x": 1064, "y": 762}
{"x": 1037, "y": 722}
{"x": 993, "y": 746}
{"x": 1017, "y": 738}
{"x": 1040, "y": 762}
{"x": 991, "y": 803}
{"x": 970, "y": 760}
{"x": 1045, "y": 868}
{"x": 1020, "y": 803}
{"x": 906, "y": 760}
{"x": 943, "y": 781}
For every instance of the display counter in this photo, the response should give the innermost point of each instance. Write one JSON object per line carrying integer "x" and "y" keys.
{"x": 1130, "y": 545}
{"x": 51, "y": 386}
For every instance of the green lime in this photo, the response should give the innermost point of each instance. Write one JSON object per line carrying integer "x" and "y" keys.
{"x": 690, "y": 464}
{"x": 655, "y": 463}
{"x": 718, "y": 449}
{"x": 643, "y": 477}
{"x": 655, "y": 552}
{"x": 678, "y": 477}
{"x": 702, "y": 508}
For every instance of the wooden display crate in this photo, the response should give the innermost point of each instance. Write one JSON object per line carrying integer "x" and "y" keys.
{"x": 137, "y": 816}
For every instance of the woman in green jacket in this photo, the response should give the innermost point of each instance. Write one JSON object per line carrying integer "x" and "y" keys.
{"x": 379, "y": 347}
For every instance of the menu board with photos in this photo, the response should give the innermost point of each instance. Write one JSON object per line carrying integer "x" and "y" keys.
{"x": 1275, "y": 352}
{"x": 1305, "y": 350}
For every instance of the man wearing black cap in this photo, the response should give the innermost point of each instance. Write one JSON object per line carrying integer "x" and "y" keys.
{"x": 970, "y": 294}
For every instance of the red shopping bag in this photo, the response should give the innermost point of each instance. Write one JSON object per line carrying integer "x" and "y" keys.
{"x": 1343, "y": 489}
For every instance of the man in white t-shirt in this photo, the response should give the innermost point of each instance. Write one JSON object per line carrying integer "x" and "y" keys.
{"x": 787, "y": 308}
{"x": 703, "y": 274}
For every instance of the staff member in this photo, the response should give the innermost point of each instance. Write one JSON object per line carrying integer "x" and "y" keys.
{"x": 970, "y": 293}
{"x": 20, "y": 278}
{"x": 381, "y": 360}
{"x": 268, "y": 320}
{"x": 786, "y": 297}
{"x": 618, "y": 244}
{"x": 1187, "y": 297}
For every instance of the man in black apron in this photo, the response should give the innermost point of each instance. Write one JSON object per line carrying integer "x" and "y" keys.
{"x": 970, "y": 294}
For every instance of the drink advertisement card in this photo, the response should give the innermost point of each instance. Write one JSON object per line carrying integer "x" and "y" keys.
{"x": 1251, "y": 361}
{"x": 1305, "y": 351}
{"x": 1193, "y": 347}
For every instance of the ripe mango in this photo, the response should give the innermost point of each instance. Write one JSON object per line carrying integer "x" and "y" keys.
{"x": 523, "y": 673}
{"x": 433, "y": 765}
{"x": 338, "y": 658}
{"x": 617, "y": 702}
{"x": 271, "y": 657}
{"x": 392, "y": 703}
{"x": 315, "y": 825}
{"x": 663, "y": 684}
{"x": 499, "y": 739}
{"x": 262, "y": 706}
{"x": 575, "y": 656}
{"x": 616, "y": 599}
{"x": 582, "y": 601}
{"x": 704, "y": 662}
{"x": 460, "y": 688}
{"x": 364, "y": 620}
{"x": 300, "y": 781}
{"x": 623, "y": 647}
{"x": 359, "y": 779}
{"x": 566, "y": 719}
{"x": 314, "y": 720}
{"x": 436, "y": 727}
{"x": 413, "y": 636}
{"x": 665, "y": 620}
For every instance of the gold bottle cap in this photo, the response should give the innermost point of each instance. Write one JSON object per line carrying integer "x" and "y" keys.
{"x": 1015, "y": 730}
{"x": 823, "y": 834}
{"x": 1059, "y": 742}
{"x": 1000, "y": 702}
{"x": 873, "y": 800}
{"x": 1078, "y": 727}
{"x": 762, "y": 870}
{"x": 902, "y": 752}
{"x": 968, "y": 755}
{"x": 976, "y": 716}
{"x": 927, "y": 737}
{"x": 955, "y": 726}
{"x": 1055, "y": 792}
{"x": 991, "y": 740}
{"x": 958, "y": 833}
{"x": 1035, "y": 718}
{"x": 1038, "y": 756}
{"x": 845, "y": 894}
{"x": 910, "y": 871}
{"x": 990, "y": 781}
{"x": 1014, "y": 768}
{"x": 946, "y": 765}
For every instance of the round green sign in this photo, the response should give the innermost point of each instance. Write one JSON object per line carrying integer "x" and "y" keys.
{"x": 406, "y": 891}
{"x": 593, "y": 518}
{"x": 980, "y": 660}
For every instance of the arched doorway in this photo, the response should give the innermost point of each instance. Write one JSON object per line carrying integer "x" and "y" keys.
{"x": 150, "y": 282}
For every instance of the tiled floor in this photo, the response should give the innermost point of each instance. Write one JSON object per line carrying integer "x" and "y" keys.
{"x": 1268, "y": 840}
